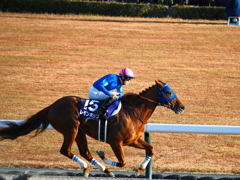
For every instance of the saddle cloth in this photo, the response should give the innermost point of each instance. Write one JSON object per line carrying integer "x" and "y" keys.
{"x": 90, "y": 105}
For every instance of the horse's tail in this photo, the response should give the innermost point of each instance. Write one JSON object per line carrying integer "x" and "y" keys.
{"x": 38, "y": 122}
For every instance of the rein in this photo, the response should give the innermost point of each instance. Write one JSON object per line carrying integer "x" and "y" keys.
{"x": 150, "y": 100}
{"x": 155, "y": 102}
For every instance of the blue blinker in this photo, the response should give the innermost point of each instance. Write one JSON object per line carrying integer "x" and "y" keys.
{"x": 163, "y": 99}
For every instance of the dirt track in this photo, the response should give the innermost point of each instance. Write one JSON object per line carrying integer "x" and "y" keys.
{"x": 52, "y": 174}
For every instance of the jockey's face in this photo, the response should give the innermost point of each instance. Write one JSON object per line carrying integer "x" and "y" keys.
{"x": 125, "y": 80}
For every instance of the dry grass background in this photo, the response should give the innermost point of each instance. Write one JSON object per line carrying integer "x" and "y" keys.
{"x": 45, "y": 57}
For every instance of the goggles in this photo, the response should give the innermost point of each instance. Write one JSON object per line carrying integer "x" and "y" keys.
{"x": 128, "y": 78}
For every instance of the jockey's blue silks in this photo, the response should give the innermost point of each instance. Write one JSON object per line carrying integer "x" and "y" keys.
{"x": 163, "y": 99}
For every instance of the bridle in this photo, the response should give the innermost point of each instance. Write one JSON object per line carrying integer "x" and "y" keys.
{"x": 163, "y": 100}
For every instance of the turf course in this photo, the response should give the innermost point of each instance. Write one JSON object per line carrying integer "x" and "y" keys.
{"x": 44, "y": 57}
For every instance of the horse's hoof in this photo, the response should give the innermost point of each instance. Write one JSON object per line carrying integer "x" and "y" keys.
{"x": 100, "y": 153}
{"x": 86, "y": 172}
{"x": 111, "y": 174}
{"x": 85, "y": 175}
{"x": 137, "y": 173}
{"x": 108, "y": 173}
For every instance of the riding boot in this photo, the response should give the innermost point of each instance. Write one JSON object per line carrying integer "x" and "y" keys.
{"x": 101, "y": 110}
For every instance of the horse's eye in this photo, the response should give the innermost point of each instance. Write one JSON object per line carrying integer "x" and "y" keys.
{"x": 169, "y": 93}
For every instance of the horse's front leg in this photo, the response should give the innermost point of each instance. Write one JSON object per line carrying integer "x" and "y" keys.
{"x": 119, "y": 153}
{"x": 149, "y": 153}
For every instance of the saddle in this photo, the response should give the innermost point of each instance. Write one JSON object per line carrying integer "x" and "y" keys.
{"x": 88, "y": 108}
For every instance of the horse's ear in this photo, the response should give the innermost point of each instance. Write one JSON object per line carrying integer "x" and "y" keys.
{"x": 159, "y": 83}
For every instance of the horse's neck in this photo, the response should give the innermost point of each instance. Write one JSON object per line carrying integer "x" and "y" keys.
{"x": 147, "y": 110}
{"x": 150, "y": 93}
{"x": 141, "y": 109}
{"x": 147, "y": 106}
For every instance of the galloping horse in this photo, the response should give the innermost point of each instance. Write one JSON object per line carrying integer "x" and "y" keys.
{"x": 124, "y": 129}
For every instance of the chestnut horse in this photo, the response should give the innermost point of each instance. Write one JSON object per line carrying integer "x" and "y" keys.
{"x": 124, "y": 129}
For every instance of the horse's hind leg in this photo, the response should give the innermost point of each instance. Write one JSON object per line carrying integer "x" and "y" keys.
{"x": 119, "y": 153}
{"x": 69, "y": 134}
{"x": 82, "y": 144}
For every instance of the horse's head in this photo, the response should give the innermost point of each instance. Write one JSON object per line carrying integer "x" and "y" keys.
{"x": 168, "y": 98}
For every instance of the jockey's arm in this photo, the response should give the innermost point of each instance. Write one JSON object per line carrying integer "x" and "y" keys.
{"x": 101, "y": 84}
{"x": 108, "y": 83}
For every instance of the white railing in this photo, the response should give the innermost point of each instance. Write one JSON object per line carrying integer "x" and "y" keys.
{"x": 185, "y": 128}
{"x": 172, "y": 128}
{"x": 188, "y": 128}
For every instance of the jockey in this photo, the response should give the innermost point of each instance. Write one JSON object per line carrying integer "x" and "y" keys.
{"x": 102, "y": 89}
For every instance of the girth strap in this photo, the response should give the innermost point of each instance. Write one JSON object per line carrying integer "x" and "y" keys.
{"x": 102, "y": 130}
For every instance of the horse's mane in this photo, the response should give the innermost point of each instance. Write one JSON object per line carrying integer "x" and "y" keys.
{"x": 146, "y": 90}
{"x": 128, "y": 96}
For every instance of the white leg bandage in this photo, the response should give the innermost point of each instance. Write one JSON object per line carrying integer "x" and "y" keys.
{"x": 98, "y": 165}
{"x": 109, "y": 162}
{"x": 145, "y": 162}
{"x": 80, "y": 162}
